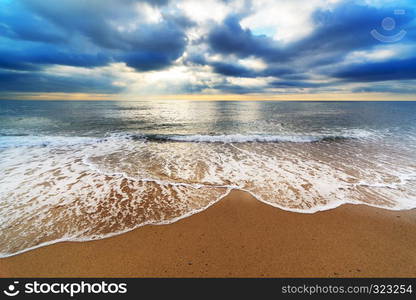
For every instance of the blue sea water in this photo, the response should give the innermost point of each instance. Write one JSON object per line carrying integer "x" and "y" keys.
{"x": 207, "y": 118}
{"x": 82, "y": 170}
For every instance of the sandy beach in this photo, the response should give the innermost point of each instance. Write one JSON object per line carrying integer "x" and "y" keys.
{"x": 240, "y": 237}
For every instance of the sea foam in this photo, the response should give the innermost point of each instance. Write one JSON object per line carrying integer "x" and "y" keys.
{"x": 76, "y": 188}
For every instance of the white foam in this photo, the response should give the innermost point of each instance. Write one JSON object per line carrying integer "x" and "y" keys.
{"x": 42, "y": 187}
{"x": 240, "y": 138}
{"x": 43, "y": 141}
{"x": 244, "y": 138}
{"x": 76, "y": 239}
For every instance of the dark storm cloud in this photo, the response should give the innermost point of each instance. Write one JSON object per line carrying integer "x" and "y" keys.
{"x": 34, "y": 82}
{"x": 298, "y": 84}
{"x": 346, "y": 28}
{"x": 19, "y": 24}
{"x": 153, "y": 47}
{"x": 394, "y": 69}
{"x": 64, "y": 28}
{"x": 34, "y": 58}
{"x": 337, "y": 33}
{"x": 35, "y": 34}
{"x": 29, "y": 29}
{"x": 15, "y": 64}
{"x": 237, "y": 70}
{"x": 233, "y": 70}
{"x": 227, "y": 87}
{"x": 100, "y": 22}
{"x": 398, "y": 87}
{"x": 231, "y": 38}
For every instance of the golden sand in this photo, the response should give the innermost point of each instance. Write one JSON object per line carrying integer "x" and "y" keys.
{"x": 240, "y": 237}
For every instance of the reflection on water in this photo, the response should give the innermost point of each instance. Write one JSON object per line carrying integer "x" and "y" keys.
{"x": 98, "y": 118}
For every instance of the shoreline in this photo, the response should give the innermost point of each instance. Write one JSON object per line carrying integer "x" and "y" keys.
{"x": 240, "y": 236}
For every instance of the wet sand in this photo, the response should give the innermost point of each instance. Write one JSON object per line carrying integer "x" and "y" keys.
{"x": 240, "y": 237}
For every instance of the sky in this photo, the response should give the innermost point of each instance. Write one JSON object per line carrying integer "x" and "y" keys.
{"x": 206, "y": 50}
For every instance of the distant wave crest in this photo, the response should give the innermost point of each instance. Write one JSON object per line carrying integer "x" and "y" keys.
{"x": 258, "y": 138}
{"x": 7, "y": 141}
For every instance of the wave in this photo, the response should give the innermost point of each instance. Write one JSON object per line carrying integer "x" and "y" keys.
{"x": 20, "y": 140}
{"x": 13, "y": 141}
{"x": 255, "y": 138}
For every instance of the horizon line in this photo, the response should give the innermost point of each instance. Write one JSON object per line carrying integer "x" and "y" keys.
{"x": 209, "y": 97}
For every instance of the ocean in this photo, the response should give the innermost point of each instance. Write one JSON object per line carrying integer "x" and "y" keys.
{"x": 85, "y": 170}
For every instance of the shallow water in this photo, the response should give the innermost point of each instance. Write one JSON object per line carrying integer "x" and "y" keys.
{"x": 88, "y": 170}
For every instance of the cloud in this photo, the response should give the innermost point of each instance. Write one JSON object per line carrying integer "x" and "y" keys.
{"x": 32, "y": 58}
{"x": 93, "y": 33}
{"x": 231, "y": 38}
{"x": 395, "y": 69}
{"x": 124, "y": 29}
{"x": 20, "y": 24}
{"x": 189, "y": 46}
{"x": 346, "y": 28}
{"x": 11, "y": 81}
{"x": 337, "y": 31}
{"x": 397, "y": 87}
{"x": 234, "y": 70}
{"x": 298, "y": 84}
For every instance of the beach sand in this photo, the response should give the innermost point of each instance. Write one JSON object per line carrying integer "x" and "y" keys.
{"x": 240, "y": 237}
